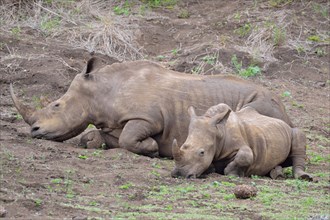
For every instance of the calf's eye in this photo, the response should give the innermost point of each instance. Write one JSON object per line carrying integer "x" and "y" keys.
{"x": 201, "y": 152}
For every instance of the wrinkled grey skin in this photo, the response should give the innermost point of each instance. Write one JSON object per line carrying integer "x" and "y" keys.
{"x": 140, "y": 106}
{"x": 242, "y": 143}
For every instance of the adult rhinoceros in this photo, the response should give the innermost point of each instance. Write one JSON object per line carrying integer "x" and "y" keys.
{"x": 140, "y": 106}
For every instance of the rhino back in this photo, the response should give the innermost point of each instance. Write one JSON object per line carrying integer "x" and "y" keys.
{"x": 269, "y": 138}
{"x": 149, "y": 92}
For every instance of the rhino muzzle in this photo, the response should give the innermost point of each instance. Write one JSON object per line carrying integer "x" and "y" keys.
{"x": 177, "y": 173}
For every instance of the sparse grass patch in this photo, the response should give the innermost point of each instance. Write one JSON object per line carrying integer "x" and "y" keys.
{"x": 314, "y": 38}
{"x": 18, "y": 116}
{"x": 320, "y": 52}
{"x": 279, "y": 3}
{"x": 9, "y": 155}
{"x": 83, "y": 157}
{"x": 279, "y": 36}
{"x": 244, "y": 30}
{"x": 15, "y": 32}
{"x": 38, "y": 202}
{"x": 320, "y": 9}
{"x": 156, "y": 165}
{"x": 122, "y": 9}
{"x": 209, "y": 59}
{"x": 175, "y": 51}
{"x": 160, "y": 57}
{"x": 316, "y": 158}
{"x": 93, "y": 203}
{"x": 126, "y": 186}
{"x": 208, "y": 64}
{"x": 91, "y": 126}
{"x": 288, "y": 172}
{"x": 229, "y": 196}
{"x": 286, "y": 94}
{"x": 298, "y": 105}
{"x": 184, "y": 13}
{"x": 252, "y": 70}
{"x": 57, "y": 181}
{"x": 299, "y": 185}
{"x": 37, "y": 102}
{"x": 49, "y": 25}
{"x": 155, "y": 173}
{"x": 97, "y": 153}
{"x": 160, "y": 3}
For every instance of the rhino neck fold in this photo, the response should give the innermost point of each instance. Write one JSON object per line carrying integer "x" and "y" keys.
{"x": 102, "y": 115}
{"x": 220, "y": 145}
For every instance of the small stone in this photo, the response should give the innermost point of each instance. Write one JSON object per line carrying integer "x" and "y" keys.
{"x": 320, "y": 84}
{"x": 3, "y": 212}
{"x": 85, "y": 180}
{"x": 245, "y": 191}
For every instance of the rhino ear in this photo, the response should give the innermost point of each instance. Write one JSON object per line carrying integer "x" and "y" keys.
{"x": 93, "y": 64}
{"x": 221, "y": 115}
{"x": 191, "y": 111}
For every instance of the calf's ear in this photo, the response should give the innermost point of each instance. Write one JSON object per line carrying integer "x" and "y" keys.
{"x": 221, "y": 116}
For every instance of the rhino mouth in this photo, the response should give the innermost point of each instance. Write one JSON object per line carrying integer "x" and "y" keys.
{"x": 177, "y": 173}
{"x": 55, "y": 136}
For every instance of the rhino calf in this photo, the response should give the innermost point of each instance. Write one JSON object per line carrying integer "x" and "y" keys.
{"x": 239, "y": 143}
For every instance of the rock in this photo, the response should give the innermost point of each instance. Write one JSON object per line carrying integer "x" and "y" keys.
{"x": 245, "y": 191}
{"x": 320, "y": 84}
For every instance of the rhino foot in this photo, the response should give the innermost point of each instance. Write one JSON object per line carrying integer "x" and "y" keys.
{"x": 277, "y": 173}
{"x": 303, "y": 176}
{"x": 92, "y": 139}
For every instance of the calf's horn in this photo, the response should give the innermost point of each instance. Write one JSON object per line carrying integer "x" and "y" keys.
{"x": 25, "y": 110}
{"x": 176, "y": 150}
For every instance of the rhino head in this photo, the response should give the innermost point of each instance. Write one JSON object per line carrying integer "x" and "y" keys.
{"x": 66, "y": 117}
{"x": 196, "y": 154}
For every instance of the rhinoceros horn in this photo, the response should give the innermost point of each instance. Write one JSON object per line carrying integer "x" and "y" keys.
{"x": 176, "y": 150}
{"x": 25, "y": 110}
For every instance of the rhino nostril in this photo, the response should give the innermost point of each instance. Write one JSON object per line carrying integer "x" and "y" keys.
{"x": 35, "y": 128}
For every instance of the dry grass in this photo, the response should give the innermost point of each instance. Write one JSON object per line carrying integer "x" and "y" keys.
{"x": 280, "y": 29}
{"x": 86, "y": 24}
{"x": 266, "y": 35}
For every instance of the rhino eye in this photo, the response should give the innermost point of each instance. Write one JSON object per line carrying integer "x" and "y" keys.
{"x": 57, "y": 105}
{"x": 201, "y": 153}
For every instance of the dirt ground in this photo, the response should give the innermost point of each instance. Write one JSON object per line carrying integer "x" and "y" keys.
{"x": 288, "y": 40}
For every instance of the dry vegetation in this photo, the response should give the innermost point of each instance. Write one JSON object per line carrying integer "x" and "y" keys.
{"x": 89, "y": 25}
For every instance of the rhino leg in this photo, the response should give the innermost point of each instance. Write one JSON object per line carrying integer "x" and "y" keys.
{"x": 298, "y": 155}
{"x": 276, "y": 173}
{"x": 136, "y": 137}
{"x": 242, "y": 160}
{"x": 99, "y": 139}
